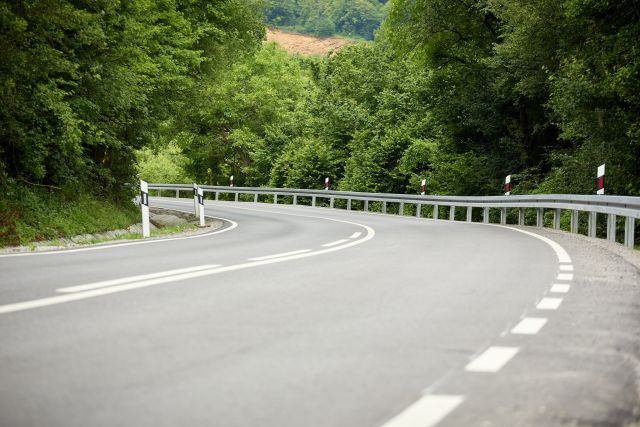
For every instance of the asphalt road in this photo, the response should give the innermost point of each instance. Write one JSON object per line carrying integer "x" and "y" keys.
{"x": 297, "y": 316}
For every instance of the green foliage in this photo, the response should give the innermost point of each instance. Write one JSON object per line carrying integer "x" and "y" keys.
{"x": 240, "y": 123}
{"x": 83, "y": 85}
{"x": 328, "y": 17}
{"x": 166, "y": 164}
{"x": 38, "y": 214}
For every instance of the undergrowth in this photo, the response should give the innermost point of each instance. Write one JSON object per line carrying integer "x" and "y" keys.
{"x": 30, "y": 215}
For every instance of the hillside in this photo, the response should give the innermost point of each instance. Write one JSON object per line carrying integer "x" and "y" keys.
{"x": 304, "y": 44}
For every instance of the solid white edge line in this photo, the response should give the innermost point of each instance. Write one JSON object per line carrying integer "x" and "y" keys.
{"x": 549, "y": 303}
{"x": 492, "y": 359}
{"x": 284, "y": 254}
{"x": 428, "y": 411}
{"x": 529, "y": 326}
{"x": 138, "y": 278}
{"x": 337, "y": 242}
{"x": 560, "y": 288}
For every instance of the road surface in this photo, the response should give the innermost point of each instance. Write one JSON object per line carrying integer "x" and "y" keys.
{"x": 299, "y": 316}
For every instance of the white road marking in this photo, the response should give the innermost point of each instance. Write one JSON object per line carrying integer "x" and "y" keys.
{"x": 131, "y": 279}
{"x": 284, "y": 254}
{"x": 565, "y": 276}
{"x": 566, "y": 267}
{"x": 549, "y": 303}
{"x": 561, "y": 253}
{"x": 337, "y": 242}
{"x": 355, "y": 235}
{"x": 529, "y": 326}
{"x": 426, "y": 412}
{"x": 492, "y": 360}
{"x": 560, "y": 288}
{"x": 59, "y": 299}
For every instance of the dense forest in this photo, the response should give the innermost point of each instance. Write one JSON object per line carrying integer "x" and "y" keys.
{"x": 459, "y": 92}
{"x": 359, "y": 18}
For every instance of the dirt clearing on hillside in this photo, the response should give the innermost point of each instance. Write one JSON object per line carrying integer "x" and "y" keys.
{"x": 306, "y": 45}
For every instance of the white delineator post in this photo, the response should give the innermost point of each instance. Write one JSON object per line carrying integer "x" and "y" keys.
{"x": 600, "y": 180}
{"x": 326, "y": 183}
{"x": 201, "y": 206}
{"x": 231, "y": 181}
{"x": 424, "y": 183}
{"x": 195, "y": 199}
{"x": 507, "y": 185}
{"x": 144, "y": 206}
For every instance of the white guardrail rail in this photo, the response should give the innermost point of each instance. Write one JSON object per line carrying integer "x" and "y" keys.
{"x": 613, "y": 207}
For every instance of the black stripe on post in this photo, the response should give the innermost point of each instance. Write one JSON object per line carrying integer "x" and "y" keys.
{"x": 144, "y": 198}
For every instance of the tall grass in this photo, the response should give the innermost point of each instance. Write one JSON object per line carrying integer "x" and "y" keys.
{"x": 32, "y": 214}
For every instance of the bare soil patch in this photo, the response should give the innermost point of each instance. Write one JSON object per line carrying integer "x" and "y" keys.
{"x": 306, "y": 45}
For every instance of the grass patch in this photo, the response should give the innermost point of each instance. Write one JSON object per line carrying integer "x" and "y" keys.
{"x": 30, "y": 215}
{"x": 135, "y": 236}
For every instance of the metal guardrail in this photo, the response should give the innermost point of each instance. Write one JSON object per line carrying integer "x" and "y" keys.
{"x": 611, "y": 206}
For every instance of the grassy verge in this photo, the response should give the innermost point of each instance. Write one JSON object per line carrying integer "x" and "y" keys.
{"x": 132, "y": 236}
{"x": 30, "y": 215}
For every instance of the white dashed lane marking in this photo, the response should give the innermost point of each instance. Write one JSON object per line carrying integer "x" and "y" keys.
{"x": 426, "y": 412}
{"x": 560, "y": 288}
{"x": 566, "y": 267}
{"x": 492, "y": 360}
{"x": 284, "y": 254}
{"x": 355, "y": 235}
{"x": 549, "y": 303}
{"x": 529, "y": 326}
{"x": 132, "y": 279}
{"x": 565, "y": 276}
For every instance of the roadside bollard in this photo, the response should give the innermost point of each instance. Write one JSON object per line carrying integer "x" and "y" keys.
{"x": 144, "y": 206}
{"x": 201, "y": 206}
{"x": 195, "y": 199}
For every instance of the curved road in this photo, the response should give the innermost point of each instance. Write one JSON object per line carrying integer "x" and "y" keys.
{"x": 297, "y": 316}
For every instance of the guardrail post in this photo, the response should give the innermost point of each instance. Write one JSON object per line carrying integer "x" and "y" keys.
{"x": 540, "y": 217}
{"x": 384, "y": 207}
{"x": 217, "y": 196}
{"x": 331, "y": 202}
{"x": 255, "y": 198}
{"x": 295, "y": 199}
{"x": 348, "y": 204}
{"x": 593, "y": 221}
{"x": 520, "y": 216}
{"x": 418, "y": 209}
{"x": 611, "y": 227}
{"x": 469, "y": 213}
{"x": 574, "y": 221}
{"x": 313, "y": 201}
{"x": 557, "y": 213}
{"x": 159, "y": 193}
{"x": 629, "y": 231}
{"x": 177, "y": 194}
{"x": 485, "y": 215}
{"x": 503, "y": 216}
{"x": 452, "y": 213}
{"x": 237, "y": 196}
{"x": 275, "y": 199}
{"x": 401, "y": 209}
{"x": 436, "y": 211}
